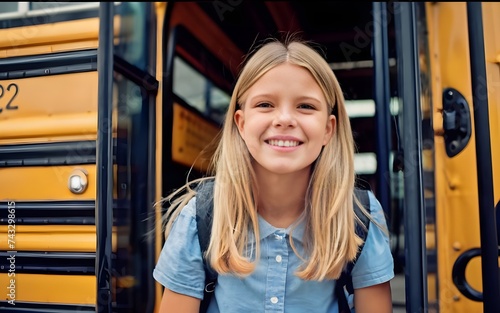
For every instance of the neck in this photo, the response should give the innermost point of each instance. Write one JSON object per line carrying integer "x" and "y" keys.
{"x": 281, "y": 198}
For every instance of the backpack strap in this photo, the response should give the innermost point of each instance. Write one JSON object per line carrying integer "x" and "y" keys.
{"x": 204, "y": 217}
{"x": 345, "y": 278}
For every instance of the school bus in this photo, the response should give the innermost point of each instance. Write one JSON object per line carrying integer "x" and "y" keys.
{"x": 107, "y": 107}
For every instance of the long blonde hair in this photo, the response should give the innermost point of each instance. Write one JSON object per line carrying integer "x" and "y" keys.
{"x": 330, "y": 240}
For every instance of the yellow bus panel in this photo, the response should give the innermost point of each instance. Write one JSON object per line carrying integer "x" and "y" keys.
{"x": 491, "y": 14}
{"x": 457, "y": 216}
{"x": 67, "y": 238}
{"x": 51, "y": 38}
{"x": 44, "y": 183}
{"x": 78, "y": 126}
{"x": 69, "y": 94}
{"x": 63, "y": 289}
{"x": 69, "y": 109}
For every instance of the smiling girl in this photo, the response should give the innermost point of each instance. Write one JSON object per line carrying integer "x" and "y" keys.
{"x": 283, "y": 219}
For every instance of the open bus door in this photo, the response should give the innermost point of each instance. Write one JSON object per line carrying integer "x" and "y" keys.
{"x": 464, "y": 209}
{"x": 104, "y": 159}
{"x": 414, "y": 220}
{"x": 125, "y": 158}
{"x": 489, "y": 249}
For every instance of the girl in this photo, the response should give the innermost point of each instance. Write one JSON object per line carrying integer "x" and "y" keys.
{"x": 283, "y": 221}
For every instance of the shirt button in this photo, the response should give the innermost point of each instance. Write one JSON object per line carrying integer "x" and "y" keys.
{"x": 278, "y": 258}
{"x": 278, "y": 237}
{"x": 274, "y": 300}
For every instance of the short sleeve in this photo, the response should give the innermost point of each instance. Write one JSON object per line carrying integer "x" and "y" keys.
{"x": 375, "y": 264}
{"x": 180, "y": 265}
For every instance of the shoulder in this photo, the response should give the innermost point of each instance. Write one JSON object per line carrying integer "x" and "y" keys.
{"x": 183, "y": 226}
{"x": 184, "y": 223}
{"x": 180, "y": 264}
{"x": 188, "y": 211}
{"x": 376, "y": 210}
{"x": 371, "y": 203}
{"x": 375, "y": 264}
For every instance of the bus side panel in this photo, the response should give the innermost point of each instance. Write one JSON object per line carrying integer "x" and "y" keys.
{"x": 53, "y": 288}
{"x": 49, "y": 108}
{"x": 491, "y": 24}
{"x": 44, "y": 182}
{"x": 491, "y": 16}
{"x": 457, "y": 214}
{"x": 48, "y": 131}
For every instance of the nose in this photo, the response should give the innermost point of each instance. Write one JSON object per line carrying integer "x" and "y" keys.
{"x": 284, "y": 117}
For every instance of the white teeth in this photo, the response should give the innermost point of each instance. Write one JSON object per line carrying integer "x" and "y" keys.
{"x": 283, "y": 143}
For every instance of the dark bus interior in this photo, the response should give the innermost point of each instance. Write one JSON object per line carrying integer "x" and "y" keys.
{"x": 214, "y": 37}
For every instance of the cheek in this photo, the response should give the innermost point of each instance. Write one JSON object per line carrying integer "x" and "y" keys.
{"x": 252, "y": 127}
{"x": 252, "y": 135}
{"x": 319, "y": 132}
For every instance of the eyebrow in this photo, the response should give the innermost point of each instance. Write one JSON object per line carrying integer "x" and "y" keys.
{"x": 308, "y": 98}
{"x": 267, "y": 96}
{"x": 262, "y": 95}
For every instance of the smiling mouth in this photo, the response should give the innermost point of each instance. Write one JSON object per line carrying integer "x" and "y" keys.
{"x": 283, "y": 143}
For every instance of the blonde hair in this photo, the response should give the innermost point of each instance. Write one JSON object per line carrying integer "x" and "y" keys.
{"x": 330, "y": 240}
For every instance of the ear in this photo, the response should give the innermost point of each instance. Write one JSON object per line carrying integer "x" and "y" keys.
{"x": 239, "y": 120}
{"x": 331, "y": 124}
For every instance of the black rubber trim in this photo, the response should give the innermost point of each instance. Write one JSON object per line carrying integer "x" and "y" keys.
{"x": 25, "y": 307}
{"x": 51, "y": 212}
{"x": 43, "y": 154}
{"x": 47, "y": 263}
{"x": 48, "y": 64}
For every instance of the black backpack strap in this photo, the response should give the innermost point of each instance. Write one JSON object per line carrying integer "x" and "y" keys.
{"x": 345, "y": 278}
{"x": 204, "y": 210}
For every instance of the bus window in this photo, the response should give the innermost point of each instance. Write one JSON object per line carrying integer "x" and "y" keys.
{"x": 134, "y": 39}
{"x": 198, "y": 91}
{"x": 32, "y": 13}
{"x": 8, "y": 7}
{"x": 194, "y": 106}
{"x": 34, "y": 6}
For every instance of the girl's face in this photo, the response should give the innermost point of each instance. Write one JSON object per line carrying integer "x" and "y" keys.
{"x": 284, "y": 121}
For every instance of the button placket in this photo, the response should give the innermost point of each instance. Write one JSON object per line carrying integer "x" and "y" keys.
{"x": 276, "y": 273}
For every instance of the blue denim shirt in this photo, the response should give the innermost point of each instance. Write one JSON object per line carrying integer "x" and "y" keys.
{"x": 272, "y": 287}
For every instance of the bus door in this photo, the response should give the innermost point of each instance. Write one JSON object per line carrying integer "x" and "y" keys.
{"x": 126, "y": 158}
{"x": 410, "y": 118}
{"x": 465, "y": 170}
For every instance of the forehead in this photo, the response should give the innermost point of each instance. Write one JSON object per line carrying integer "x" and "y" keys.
{"x": 286, "y": 78}
{"x": 286, "y": 69}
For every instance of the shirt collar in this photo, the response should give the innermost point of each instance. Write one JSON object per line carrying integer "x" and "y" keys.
{"x": 266, "y": 229}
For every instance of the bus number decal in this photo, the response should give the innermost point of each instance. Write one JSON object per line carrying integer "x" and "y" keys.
{"x": 9, "y": 105}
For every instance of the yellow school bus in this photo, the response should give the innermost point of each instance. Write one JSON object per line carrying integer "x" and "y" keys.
{"x": 107, "y": 107}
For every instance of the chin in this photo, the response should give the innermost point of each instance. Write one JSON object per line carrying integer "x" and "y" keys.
{"x": 287, "y": 170}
